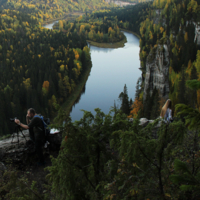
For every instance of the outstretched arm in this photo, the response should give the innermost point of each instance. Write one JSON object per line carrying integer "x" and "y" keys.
{"x": 20, "y": 124}
{"x": 27, "y": 120}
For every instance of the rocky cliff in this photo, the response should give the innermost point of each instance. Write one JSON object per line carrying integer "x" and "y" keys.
{"x": 157, "y": 70}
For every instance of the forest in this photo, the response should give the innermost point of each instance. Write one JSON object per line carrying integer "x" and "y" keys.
{"x": 39, "y": 67}
{"x": 96, "y": 29}
{"x": 46, "y": 10}
{"x": 108, "y": 156}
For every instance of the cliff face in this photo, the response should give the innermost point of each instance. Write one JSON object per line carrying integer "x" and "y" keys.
{"x": 197, "y": 30}
{"x": 197, "y": 33}
{"x": 157, "y": 71}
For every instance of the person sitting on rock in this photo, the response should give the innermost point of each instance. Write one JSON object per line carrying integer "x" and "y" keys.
{"x": 166, "y": 111}
{"x": 37, "y": 126}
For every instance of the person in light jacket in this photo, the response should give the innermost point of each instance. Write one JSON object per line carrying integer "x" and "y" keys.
{"x": 166, "y": 111}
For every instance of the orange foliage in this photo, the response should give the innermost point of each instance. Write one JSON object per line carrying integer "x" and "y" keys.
{"x": 136, "y": 107}
{"x": 46, "y": 85}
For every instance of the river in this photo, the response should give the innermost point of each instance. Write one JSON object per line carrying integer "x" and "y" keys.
{"x": 111, "y": 70}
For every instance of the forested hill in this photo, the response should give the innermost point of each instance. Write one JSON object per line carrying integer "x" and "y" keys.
{"x": 38, "y": 67}
{"x": 50, "y": 9}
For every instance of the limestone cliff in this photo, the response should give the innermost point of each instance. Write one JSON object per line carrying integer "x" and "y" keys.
{"x": 157, "y": 70}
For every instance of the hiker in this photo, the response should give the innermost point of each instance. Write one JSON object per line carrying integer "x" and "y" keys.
{"x": 37, "y": 132}
{"x": 166, "y": 111}
{"x": 31, "y": 133}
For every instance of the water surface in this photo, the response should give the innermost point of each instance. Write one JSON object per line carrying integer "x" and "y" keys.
{"x": 111, "y": 70}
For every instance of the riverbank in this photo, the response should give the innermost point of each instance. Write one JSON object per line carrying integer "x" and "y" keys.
{"x": 128, "y": 31}
{"x": 108, "y": 45}
{"x": 69, "y": 16}
{"x": 67, "y": 106}
{"x": 114, "y": 45}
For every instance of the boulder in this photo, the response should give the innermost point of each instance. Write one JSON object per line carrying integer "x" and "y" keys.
{"x": 143, "y": 122}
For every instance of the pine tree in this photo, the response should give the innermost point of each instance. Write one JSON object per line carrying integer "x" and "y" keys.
{"x": 192, "y": 93}
{"x": 182, "y": 88}
{"x": 125, "y": 106}
{"x": 192, "y": 116}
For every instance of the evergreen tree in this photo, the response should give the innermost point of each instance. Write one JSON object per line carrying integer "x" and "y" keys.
{"x": 125, "y": 106}
{"x": 192, "y": 93}
{"x": 182, "y": 88}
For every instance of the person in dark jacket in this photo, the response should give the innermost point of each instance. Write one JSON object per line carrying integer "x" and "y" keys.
{"x": 36, "y": 126}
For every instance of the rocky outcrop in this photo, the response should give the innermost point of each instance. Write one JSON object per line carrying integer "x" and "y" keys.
{"x": 17, "y": 152}
{"x": 157, "y": 71}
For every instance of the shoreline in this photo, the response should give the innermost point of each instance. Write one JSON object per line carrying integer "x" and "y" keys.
{"x": 68, "y": 104}
{"x": 114, "y": 45}
{"x": 128, "y": 31}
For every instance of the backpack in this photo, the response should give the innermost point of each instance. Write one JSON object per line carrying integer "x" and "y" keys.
{"x": 46, "y": 122}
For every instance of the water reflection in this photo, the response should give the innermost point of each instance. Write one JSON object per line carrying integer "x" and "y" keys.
{"x": 97, "y": 49}
{"x": 112, "y": 68}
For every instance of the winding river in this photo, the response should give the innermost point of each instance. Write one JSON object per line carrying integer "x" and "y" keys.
{"x": 111, "y": 70}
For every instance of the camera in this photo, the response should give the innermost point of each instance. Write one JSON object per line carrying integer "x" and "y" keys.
{"x": 13, "y": 119}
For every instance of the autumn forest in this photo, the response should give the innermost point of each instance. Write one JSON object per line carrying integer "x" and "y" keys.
{"x": 104, "y": 156}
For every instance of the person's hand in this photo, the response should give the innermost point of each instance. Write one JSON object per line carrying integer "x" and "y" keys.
{"x": 17, "y": 121}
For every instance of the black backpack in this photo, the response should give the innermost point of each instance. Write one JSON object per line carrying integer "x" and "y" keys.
{"x": 47, "y": 129}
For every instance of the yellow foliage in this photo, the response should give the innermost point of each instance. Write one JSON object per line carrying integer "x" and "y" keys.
{"x": 62, "y": 68}
{"x": 27, "y": 83}
{"x": 161, "y": 29}
{"x": 46, "y": 85}
{"x": 76, "y": 54}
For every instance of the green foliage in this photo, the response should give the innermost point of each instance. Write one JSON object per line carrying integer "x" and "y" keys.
{"x": 193, "y": 84}
{"x": 81, "y": 164}
{"x": 14, "y": 187}
{"x": 105, "y": 157}
{"x": 185, "y": 178}
{"x": 192, "y": 116}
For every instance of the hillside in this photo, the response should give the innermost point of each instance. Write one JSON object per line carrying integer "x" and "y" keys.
{"x": 50, "y": 9}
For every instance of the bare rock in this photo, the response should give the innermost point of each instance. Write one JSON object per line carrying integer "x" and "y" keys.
{"x": 143, "y": 122}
